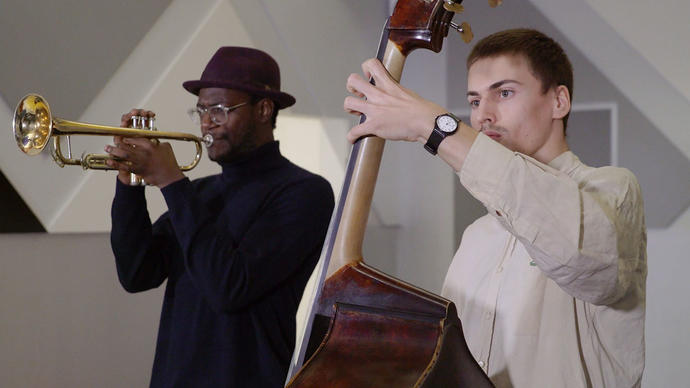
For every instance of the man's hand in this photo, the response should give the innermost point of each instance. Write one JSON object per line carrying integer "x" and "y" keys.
{"x": 155, "y": 162}
{"x": 393, "y": 112}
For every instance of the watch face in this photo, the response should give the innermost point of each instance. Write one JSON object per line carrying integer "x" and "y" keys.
{"x": 446, "y": 123}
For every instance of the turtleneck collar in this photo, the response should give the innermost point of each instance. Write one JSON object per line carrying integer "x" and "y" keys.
{"x": 264, "y": 158}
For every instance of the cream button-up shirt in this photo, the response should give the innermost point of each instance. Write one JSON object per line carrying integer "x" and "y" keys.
{"x": 550, "y": 284}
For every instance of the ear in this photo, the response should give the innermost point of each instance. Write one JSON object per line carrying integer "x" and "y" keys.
{"x": 264, "y": 110}
{"x": 561, "y": 102}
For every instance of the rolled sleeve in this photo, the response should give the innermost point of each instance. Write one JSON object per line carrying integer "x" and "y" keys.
{"x": 573, "y": 222}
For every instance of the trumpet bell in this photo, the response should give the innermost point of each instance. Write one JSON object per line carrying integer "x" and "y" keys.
{"x": 32, "y": 124}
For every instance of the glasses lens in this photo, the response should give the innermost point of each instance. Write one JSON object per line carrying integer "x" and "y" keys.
{"x": 195, "y": 115}
{"x": 218, "y": 114}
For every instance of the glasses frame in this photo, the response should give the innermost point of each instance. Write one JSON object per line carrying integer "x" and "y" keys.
{"x": 197, "y": 113}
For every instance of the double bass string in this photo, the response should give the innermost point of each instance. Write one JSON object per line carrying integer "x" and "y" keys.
{"x": 329, "y": 242}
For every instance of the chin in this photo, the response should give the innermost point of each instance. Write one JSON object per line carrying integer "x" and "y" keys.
{"x": 219, "y": 155}
{"x": 212, "y": 156}
{"x": 226, "y": 157}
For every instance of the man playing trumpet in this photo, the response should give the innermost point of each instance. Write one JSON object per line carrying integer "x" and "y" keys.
{"x": 236, "y": 248}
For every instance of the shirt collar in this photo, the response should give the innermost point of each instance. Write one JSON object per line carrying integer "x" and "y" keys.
{"x": 566, "y": 162}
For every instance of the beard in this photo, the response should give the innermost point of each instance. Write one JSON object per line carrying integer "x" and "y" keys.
{"x": 237, "y": 146}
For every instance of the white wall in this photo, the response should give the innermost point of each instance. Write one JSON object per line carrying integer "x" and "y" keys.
{"x": 66, "y": 322}
{"x": 667, "y": 331}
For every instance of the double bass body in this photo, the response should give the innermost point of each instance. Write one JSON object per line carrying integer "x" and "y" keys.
{"x": 386, "y": 333}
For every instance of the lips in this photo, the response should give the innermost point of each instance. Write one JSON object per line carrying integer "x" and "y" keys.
{"x": 492, "y": 134}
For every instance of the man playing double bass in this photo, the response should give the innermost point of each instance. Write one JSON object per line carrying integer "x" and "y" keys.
{"x": 236, "y": 248}
{"x": 550, "y": 284}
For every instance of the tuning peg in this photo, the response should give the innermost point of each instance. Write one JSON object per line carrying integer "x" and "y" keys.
{"x": 464, "y": 30}
{"x": 495, "y": 3}
{"x": 452, "y": 6}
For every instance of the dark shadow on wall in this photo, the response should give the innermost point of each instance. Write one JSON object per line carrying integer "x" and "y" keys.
{"x": 15, "y": 215}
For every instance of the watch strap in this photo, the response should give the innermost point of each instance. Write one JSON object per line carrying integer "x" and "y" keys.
{"x": 434, "y": 141}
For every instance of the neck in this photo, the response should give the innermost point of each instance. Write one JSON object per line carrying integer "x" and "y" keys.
{"x": 264, "y": 135}
{"x": 554, "y": 146}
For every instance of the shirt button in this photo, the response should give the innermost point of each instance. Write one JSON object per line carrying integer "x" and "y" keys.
{"x": 481, "y": 364}
{"x": 499, "y": 269}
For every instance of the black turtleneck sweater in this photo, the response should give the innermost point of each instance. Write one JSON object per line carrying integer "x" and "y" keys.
{"x": 237, "y": 250}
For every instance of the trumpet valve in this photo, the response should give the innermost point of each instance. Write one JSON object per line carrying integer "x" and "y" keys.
{"x": 141, "y": 122}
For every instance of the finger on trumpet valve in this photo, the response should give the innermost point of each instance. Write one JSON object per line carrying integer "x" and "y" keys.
{"x": 134, "y": 179}
{"x": 151, "y": 123}
{"x": 139, "y": 122}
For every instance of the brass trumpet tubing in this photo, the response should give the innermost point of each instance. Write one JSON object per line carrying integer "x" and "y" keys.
{"x": 33, "y": 125}
{"x": 98, "y": 161}
{"x": 65, "y": 127}
{"x": 59, "y": 158}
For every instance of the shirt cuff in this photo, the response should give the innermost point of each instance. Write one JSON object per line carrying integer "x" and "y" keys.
{"x": 484, "y": 169}
{"x": 127, "y": 192}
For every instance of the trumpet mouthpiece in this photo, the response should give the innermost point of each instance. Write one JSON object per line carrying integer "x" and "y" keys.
{"x": 207, "y": 139}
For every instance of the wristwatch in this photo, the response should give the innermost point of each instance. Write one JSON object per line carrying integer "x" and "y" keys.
{"x": 445, "y": 125}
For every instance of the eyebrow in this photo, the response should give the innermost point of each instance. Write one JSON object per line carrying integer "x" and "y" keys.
{"x": 495, "y": 85}
{"x": 209, "y": 105}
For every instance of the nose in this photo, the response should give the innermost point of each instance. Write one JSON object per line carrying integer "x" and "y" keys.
{"x": 205, "y": 119}
{"x": 485, "y": 114}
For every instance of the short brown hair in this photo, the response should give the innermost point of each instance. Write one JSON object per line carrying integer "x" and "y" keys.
{"x": 546, "y": 58}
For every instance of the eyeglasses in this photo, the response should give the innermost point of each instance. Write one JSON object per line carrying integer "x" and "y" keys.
{"x": 217, "y": 113}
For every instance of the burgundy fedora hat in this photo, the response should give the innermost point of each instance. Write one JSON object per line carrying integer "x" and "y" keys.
{"x": 246, "y": 69}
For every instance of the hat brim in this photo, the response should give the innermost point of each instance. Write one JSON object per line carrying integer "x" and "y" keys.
{"x": 282, "y": 100}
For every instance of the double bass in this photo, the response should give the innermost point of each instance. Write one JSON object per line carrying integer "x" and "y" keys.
{"x": 366, "y": 328}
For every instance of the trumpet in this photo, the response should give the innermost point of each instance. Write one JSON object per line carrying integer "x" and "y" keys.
{"x": 33, "y": 125}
